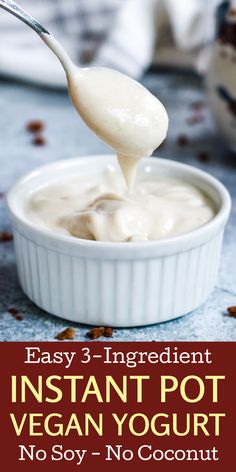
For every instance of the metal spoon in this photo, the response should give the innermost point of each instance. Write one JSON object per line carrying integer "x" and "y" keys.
{"x": 20, "y": 13}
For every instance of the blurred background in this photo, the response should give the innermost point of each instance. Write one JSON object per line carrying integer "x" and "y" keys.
{"x": 178, "y": 48}
{"x": 128, "y": 35}
{"x": 184, "y": 52}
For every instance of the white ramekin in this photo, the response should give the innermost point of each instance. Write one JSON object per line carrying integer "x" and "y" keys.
{"x": 117, "y": 284}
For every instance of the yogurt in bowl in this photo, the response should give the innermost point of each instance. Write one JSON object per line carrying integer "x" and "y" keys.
{"x": 118, "y": 283}
{"x": 99, "y": 207}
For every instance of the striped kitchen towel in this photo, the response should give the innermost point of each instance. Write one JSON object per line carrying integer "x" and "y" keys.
{"x": 122, "y": 34}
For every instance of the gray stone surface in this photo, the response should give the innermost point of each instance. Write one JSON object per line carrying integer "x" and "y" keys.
{"x": 67, "y": 136}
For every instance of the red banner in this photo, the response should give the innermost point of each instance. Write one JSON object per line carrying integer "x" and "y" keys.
{"x": 129, "y": 405}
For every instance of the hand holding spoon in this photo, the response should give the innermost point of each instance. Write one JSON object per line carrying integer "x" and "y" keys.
{"x": 118, "y": 109}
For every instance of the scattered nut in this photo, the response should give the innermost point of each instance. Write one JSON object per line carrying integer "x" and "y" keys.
{"x": 68, "y": 333}
{"x": 232, "y": 311}
{"x": 182, "y": 140}
{"x": 108, "y": 332}
{"x": 6, "y": 236}
{"x": 35, "y": 126}
{"x": 203, "y": 156}
{"x": 14, "y": 312}
{"x": 96, "y": 333}
{"x": 39, "y": 140}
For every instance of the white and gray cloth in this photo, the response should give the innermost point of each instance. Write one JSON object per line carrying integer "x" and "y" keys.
{"x": 127, "y": 35}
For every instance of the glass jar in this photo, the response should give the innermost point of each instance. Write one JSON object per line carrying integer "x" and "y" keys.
{"x": 221, "y": 75}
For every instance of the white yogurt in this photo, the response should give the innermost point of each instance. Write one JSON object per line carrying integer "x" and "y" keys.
{"x": 99, "y": 208}
{"x": 121, "y": 112}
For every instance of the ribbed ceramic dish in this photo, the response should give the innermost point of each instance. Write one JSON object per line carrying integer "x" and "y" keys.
{"x": 117, "y": 284}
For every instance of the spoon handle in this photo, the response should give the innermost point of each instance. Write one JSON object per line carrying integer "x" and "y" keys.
{"x": 20, "y": 13}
